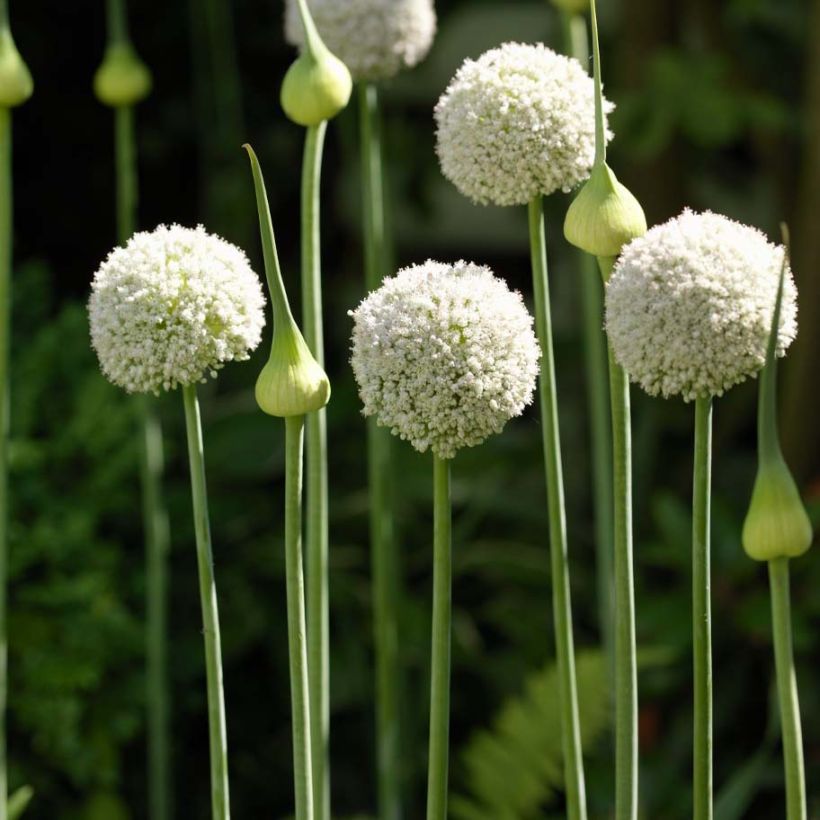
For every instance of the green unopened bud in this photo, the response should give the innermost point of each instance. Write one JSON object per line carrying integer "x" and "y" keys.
{"x": 604, "y": 216}
{"x": 316, "y": 88}
{"x": 122, "y": 78}
{"x": 776, "y": 525}
{"x": 16, "y": 85}
{"x": 572, "y": 6}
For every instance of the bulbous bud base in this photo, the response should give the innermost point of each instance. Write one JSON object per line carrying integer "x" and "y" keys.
{"x": 123, "y": 78}
{"x": 16, "y": 85}
{"x": 316, "y": 88}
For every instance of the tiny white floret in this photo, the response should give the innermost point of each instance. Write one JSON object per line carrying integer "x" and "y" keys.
{"x": 444, "y": 355}
{"x": 517, "y": 123}
{"x": 689, "y": 305}
{"x": 375, "y": 39}
{"x": 171, "y": 307}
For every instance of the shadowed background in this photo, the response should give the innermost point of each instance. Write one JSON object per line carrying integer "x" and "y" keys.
{"x": 718, "y": 107}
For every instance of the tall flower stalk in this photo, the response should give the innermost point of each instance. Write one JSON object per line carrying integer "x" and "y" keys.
{"x": 316, "y": 88}
{"x": 776, "y": 530}
{"x": 292, "y": 385}
{"x": 121, "y": 82}
{"x": 15, "y": 88}
{"x": 602, "y": 218}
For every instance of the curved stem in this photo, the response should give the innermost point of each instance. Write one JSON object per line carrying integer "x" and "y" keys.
{"x": 383, "y": 550}
{"x": 438, "y": 760}
{"x": 561, "y": 597}
{"x": 5, "y": 339}
{"x": 787, "y": 690}
{"x": 217, "y": 732}
{"x": 702, "y": 611}
{"x": 299, "y": 688}
{"x": 316, "y": 530}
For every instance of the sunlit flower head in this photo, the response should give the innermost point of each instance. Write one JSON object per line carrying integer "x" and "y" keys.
{"x": 444, "y": 355}
{"x": 517, "y": 123}
{"x": 375, "y": 39}
{"x": 171, "y": 307}
{"x": 689, "y": 305}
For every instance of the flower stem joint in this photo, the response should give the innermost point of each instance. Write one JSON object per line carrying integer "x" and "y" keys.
{"x": 123, "y": 78}
{"x": 16, "y": 85}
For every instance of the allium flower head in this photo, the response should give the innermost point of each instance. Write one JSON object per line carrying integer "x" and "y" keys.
{"x": 444, "y": 355}
{"x": 689, "y": 305}
{"x": 375, "y": 39}
{"x": 517, "y": 123}
{"x": 171, "y": 307}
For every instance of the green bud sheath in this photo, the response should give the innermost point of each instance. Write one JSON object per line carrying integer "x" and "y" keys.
{"x": 122, "y": 78}
{"x": 292, "y": 383}
{"x": 16, "y": 85}
{"x": 604, "y": 216}
{"x": 777, "y": 525}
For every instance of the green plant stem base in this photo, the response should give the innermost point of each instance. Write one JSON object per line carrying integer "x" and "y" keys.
{"x": 702, "y": 612}
{"x": 561, "y": 596}
{"x": 217, "y": 732}
{"x": 438, "y": 760}
{"x": 787, "y": 690}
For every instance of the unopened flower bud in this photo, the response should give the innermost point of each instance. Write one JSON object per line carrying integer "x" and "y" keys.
{"x": 604, "y": 216}
{"x": 122, "y": 78}
{"x": 316, "y": 88}
{"x": 16, "y": 85}
{"x": 776, "y": 525}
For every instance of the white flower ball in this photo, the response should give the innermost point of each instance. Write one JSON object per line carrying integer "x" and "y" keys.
{"x": 444, "y": 355}
{"x": 517, "y": 123}
{"x": 689, "y": 306}
{"x": 375, "y": 39}
{"x": 171, "y": 307}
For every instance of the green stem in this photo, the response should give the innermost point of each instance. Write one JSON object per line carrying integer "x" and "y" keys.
{"x": 117, "y": 21}
{"x": 383, "y": 552}
{"x": 438, "y": 760}
{"x": 4, "y": 15}
{"x": 561, "y": 597}
{"x": 702, "y": 611}
{"x": 5, "y": 339}
{"x": 626, "y": 667}
{"x": 297, "y": 647}
{"x": 787, "y": 690}
{"x": 316, "y": 531}
{"x": 210, "y": 617}
{"x": 126, "y": 167}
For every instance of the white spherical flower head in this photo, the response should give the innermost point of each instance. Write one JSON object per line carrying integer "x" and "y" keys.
{"x": 689, "y": 306}
{"x": 444, "y": 355}
{"x": 517, "y": 123}
{"x": 375, "y": 39}
{"x": 171, "y": 307}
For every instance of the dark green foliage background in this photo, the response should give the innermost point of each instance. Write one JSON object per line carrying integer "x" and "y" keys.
{"x": 715, "y": 109}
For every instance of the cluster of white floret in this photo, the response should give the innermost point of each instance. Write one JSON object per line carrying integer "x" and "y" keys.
{"x": 171, "y": 307}
{"x": 689, "y": 305}
{"x": 444, "y": 355}
{"x": 375, "y": 39}
{"x": 517, "y": 123}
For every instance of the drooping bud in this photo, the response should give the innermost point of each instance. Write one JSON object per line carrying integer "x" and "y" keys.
{"x": 572, "y": 6}
{"x": 604, "y": 216}
{"x": 122, "y": 78}
{"x": 777, "y": 525}
{"x": 318, "y": 85}
{"x": 292, "y": 383}
{"x": 16, "y": 85}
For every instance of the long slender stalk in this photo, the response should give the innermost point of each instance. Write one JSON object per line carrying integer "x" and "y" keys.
{"x": 787, "y": 690}
{"x": 383, "y": 552}
{"x": 561, "y": 596}
{"x": 576, "y": 44}
{"x": 702, "y": 611}
{"x": 438, "y": 760}
{"x": 218, "y": 741}
{"x": 297, "y": 647}
{"x": 5, "y": 337}
{"x": 316, "y": 530}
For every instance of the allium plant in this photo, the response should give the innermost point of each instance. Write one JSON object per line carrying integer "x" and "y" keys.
{"x": 444, "y": 356}
{"x": 512, "y": 127}
{"x": 168, "y": 310}
{"x": 688, "y": 311}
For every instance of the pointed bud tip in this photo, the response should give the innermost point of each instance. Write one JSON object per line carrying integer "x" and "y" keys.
{"x": 316, "y": 88}
{"x": 604, "y": 216}
{"x": 16, "y": 85}
{"x": 122, "y": 78}
{"x": 777, "y": 525}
